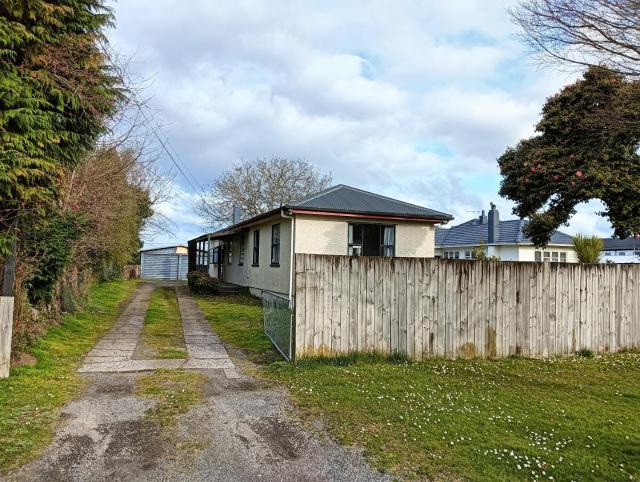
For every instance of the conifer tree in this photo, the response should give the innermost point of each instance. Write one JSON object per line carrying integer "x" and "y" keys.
{"x": 57, "y": 90}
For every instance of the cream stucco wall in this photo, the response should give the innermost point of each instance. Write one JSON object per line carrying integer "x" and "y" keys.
{"x": 329, "y": 235}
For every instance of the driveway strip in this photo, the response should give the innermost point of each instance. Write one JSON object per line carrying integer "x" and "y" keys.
{"x": 115, "y": 351}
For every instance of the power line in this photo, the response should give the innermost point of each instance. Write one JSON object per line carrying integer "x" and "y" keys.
{"x": 173, "y": 159}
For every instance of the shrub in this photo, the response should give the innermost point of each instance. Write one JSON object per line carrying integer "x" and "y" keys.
{"x": 588, "y": 248}
{"x": 585, "y": 353}
{"x": 202, "y": 283}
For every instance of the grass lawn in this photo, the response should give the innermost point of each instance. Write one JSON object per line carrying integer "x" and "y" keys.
{"x": 238, "y": 321}
{"x": 31, "y": 397}
{"x": 162, "y": 330}
{"x": 515, "y": 419}
{"x": 573, "y": 418}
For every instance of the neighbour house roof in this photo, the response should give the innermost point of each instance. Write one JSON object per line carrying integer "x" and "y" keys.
{"x": 347, "y": 200}
{"x": 611, "y": 244}
{"x": 473, "y": 232}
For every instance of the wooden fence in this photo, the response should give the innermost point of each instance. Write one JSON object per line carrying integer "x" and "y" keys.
{"x": 426, "y": 307}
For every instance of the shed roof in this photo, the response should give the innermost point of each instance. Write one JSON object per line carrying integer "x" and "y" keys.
{"x": 175, "y": 246}
{"x": 473, "y": 232}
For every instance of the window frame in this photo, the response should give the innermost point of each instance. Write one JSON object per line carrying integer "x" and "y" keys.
{"x": 275, "y": 245}
{"x": 356, "y": 249}
{"x": 229, "y": 252}
{"x": 241, "y": 254}
{"x": 255, "y": 251}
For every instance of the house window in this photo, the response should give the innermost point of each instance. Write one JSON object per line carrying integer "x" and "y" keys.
{"x": 241, "y": 256}
{"x": 607, "y": 254}
{"x": 551, "y": 256}
{"x": 275, "y": 245}
{"x": 371, "y": 240}
{"x": 256, "y": 248}
{"x": 468, "y": 255}
{"x": 622, "y": 253}
{"x": 229, "y": 253}
{"x": 452, "y": 254}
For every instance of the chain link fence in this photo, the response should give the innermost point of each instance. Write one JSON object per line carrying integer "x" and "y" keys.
{"x": 278, "y": 322}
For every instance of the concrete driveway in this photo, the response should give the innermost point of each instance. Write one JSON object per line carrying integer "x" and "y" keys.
{"x": 243, "y": 430}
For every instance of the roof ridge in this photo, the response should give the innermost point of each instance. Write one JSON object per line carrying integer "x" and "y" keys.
{"x": 311, "y": 197}
{"x": 389, "y": 198}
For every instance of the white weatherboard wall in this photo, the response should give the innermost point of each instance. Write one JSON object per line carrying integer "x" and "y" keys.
{"x": 512, "y": 252}
{"x": 263, "y": 277}
{"x": 329, "y": 235}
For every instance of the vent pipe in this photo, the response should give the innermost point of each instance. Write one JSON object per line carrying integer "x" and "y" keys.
{"x": 237, "y": 214}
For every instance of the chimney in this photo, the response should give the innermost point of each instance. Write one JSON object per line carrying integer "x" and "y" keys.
{"x": 494, "y": 225}
{"x": 483, "y": 218}
{"x": 237, "y": 214}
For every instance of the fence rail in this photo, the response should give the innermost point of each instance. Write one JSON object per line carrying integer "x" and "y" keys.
{"x": 278, "y": 322}
{"x": 432, "y": 307}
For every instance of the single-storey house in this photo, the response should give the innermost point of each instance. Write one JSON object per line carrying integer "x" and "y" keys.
{"x": 257, "y": 252}
{"x": 621, "y": 250}
{"x": 504, "y": 239}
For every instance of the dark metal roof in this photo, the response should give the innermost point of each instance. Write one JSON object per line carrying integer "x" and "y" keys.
{"x": 472, "y": 232}
{"x": 347, "y": 199}
{"x": 611, "y": 244}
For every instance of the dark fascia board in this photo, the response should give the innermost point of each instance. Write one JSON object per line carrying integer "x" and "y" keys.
{"x": 433, "y": 217}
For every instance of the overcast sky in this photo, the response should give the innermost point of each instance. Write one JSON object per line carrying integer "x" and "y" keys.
{"x": 413, "y": 100}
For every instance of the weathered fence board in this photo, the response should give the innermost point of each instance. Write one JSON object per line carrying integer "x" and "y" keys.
{"x": 6, "y": 327}
{"x": 432, "y": 307}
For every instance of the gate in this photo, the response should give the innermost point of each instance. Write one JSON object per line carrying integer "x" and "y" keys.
{"x": 278, "y": 322}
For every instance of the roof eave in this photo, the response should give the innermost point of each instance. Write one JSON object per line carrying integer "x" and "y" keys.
{"x": 370, "y": 214}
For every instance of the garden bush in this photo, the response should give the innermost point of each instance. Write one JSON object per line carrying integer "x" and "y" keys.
{"x": 202, "y": 283}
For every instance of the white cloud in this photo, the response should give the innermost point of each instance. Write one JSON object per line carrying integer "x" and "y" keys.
{"x": 414, "y": 101}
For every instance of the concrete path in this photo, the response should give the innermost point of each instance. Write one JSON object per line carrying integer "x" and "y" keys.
{"x": 114, "y": 353}
{"x": 245, "y": 429}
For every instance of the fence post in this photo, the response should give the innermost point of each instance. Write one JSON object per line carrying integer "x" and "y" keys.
{"x": 6, "y": 326}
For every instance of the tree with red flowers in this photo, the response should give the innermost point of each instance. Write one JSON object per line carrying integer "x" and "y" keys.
{"x": 577, "y": 156}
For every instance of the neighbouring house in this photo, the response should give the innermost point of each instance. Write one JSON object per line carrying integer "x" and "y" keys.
{"x": 168, "y": 263}
{"x": 257, "y": 252}
{"x": 504, "y": 239}
{"x": 621, "y": 250}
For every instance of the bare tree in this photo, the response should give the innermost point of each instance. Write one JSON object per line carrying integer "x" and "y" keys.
{"x": 583, "y": 32}
{"x": 259, "y": 186}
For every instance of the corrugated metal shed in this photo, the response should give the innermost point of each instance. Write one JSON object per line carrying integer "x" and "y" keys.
{"x": 169, "y": 263}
